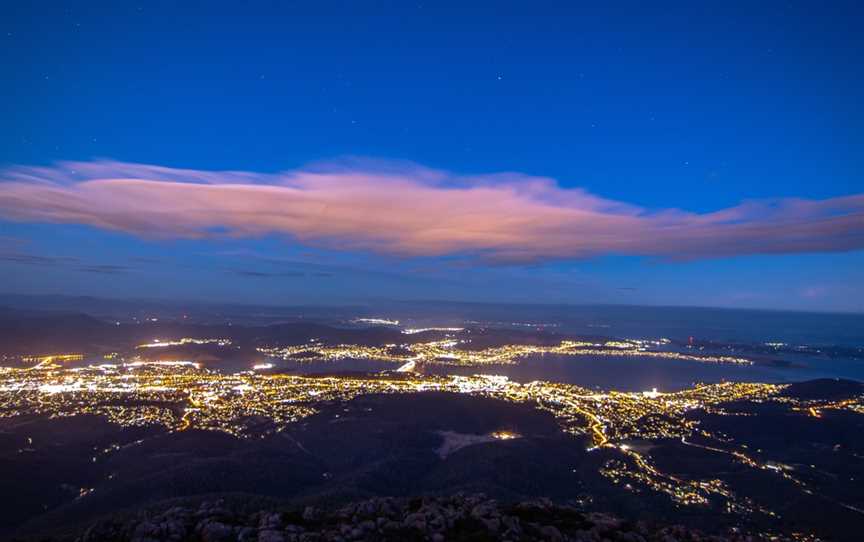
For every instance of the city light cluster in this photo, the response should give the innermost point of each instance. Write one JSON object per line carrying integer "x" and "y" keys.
{"x": 453, "y": 351}
{"x": 184, "y": 395}
{"x": 184, "y": 341}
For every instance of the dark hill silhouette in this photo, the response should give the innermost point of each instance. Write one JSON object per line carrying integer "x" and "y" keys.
{"x": 825, "y": 389}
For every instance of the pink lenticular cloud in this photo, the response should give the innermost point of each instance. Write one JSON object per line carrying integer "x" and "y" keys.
{"x": 410, "y": 211}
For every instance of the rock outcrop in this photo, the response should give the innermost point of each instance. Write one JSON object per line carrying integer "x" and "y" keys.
{"x": 434, "y": 519}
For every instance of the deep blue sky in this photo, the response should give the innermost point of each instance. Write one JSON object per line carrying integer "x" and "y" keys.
{"x": 692, "y": 105}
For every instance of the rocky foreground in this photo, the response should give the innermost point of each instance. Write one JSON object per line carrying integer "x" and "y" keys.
{"x": 436, "y": 519}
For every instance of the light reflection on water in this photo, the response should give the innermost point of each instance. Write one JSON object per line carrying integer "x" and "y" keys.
{"x": 344, "y": 365}
{"x": 638, "y": 374}
{"x": 618, "y": 373}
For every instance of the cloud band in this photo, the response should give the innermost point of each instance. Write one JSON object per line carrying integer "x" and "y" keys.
{"x": 406, "y": 210}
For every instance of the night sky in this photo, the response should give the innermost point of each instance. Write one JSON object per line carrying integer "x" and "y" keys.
{"x": 695, "y": 153}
